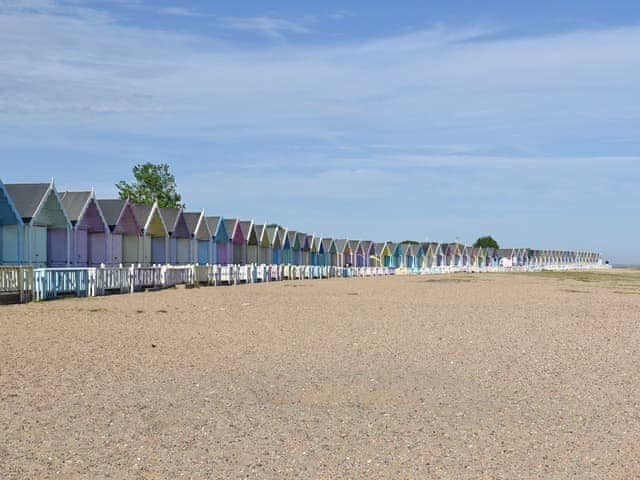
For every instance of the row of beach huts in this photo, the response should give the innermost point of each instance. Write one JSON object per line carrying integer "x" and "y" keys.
{"x": 56, "y": 243}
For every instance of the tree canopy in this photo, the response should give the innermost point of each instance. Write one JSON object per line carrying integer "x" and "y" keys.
{"x": 153, "y": 182}
{"x": 486, "y": 242}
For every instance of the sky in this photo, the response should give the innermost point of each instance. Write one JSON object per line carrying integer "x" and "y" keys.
{"x": 372, "y": 120}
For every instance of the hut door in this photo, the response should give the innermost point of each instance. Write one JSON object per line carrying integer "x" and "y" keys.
{"x": 56, "y": 247}
{"x": 80, "y": 248}
{"x": 158, "y": 250}
{"x": 130, "y": 249}
{"x": 203, "y": 252}
{"x": 116, "y": 250}
{"x": 97, "y": 248}
{"x": 39, "y": 247}
{"x": 182, "y": 247}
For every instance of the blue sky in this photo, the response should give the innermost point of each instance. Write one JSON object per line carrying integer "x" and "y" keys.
{"x": 436, "y": 120}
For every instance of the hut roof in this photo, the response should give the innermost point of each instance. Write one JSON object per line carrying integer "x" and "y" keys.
{"x": 259, "y": 229}
{"x": 301, "y": 237}
{"x": 291, "y": 236}
{"x": 212, "y": 223}
{"x": 141, "y": 212}
{"x": 74, "y": 204}
{"x": 26, "y": 197}
{"x": 353, "y": 245}
{"x": 229, "y": 225}
{"x": 341, "y": 243}
{"x": 111, "y": 210}
{"x": 245, "y": 226}
{"x": 378, "y": 247}
{"x": 192, "y": 219}
{"x": 271, "y": 232}
{"x": 326, "y": 243}
{"x": 170, "y": 216}
{"x": 366, "y": 246}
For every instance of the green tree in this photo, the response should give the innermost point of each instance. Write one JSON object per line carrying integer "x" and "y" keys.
{"x": 152, "y": 182}
{"x": 486, "y": 242}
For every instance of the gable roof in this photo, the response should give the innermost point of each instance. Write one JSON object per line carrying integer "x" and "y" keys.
{"x": 141, "y": 213}
{"x": 170, "y": 216}
{"x": 26, "y": 197}
{"x": 230, "y": 225}
{"x": 192, "y": 219}
{"x": 291, "y": 238}
{"x": 12, "y": 208}
{"x": 300, "y": 239}
{"x": 74, "y": 203}
{"x": 259, "y": 229}
{"x": 353, "y": 245}
{"x": 212, "y": 223}
{"x": 366, "y": 246}
{"x": 111, "y": 210}
{"x": 245, "y": 227}
{"x": 326, "y": 243}
{"x": 271, "y": 232}
{"x": 341, "y": 244}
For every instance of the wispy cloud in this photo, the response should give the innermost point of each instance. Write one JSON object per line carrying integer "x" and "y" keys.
{"x": 271, "y": 26}
{"x": 181, "y": 12}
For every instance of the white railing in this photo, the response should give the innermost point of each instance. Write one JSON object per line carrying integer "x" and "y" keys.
{"x": 51, "y": 283}
{"x": 17, "y": 280}
{"x": 177, "y": 275}
{"x": 112, "y": 280}
{"x": 46, "y": 283}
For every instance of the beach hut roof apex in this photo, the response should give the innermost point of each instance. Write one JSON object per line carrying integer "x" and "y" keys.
{"x": 75, "y": 204}
{"x": 27, "y": 197}
{"x": 112, "y": 210}
{"x": 245, "y": 227}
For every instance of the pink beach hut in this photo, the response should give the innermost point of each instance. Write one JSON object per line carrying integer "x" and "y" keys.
{"x": 90, "y": 237}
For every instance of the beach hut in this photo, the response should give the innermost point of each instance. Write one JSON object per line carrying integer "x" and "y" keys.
{"x": 453, "y": 254}
{"x": 375, "y": 258}
{"x": 11, "y": 230}
{"x": 329, "y": 252}
{"x": 253, "y": 244}
{"x": 504, "y": 256}
{"x": 124, "y": 232}
{"x": 288, "y": 240}
{"x": 46, "y": 229}
{"x": 90, "y": 233}
{"x": 266, "y": 252}
{"x": 179, "y": 241}
{"x": 364, "y": 253}
{"x": 200, "y": 236}
{"x": 431, "y": 251}
{"x": 238, "y": 239}
{"x": 354, "y": 245}
{"x": 419, "y": 255}
{"x": 343, "y": 253}
{"x": 220, "y": 241}
{"x": 304, "y": 241}
{"x": 224, "y": 247}
{"x": 387, "y": 254}
{"x": 314, "y": 247}
{"x": 153, "y": 234}
{"x": 405, "y": 254}
{"x": 397, "y": 256}
{"x": 273, "y": 237}
{"x": 471, "y": 257}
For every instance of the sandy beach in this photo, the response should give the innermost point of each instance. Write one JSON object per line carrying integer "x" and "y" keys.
{"x": 494, "y": 376}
